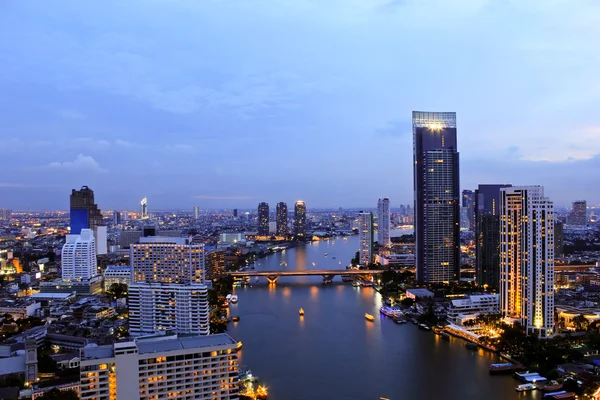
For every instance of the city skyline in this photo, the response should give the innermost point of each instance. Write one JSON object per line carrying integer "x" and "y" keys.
{"x": 115, "y": 106}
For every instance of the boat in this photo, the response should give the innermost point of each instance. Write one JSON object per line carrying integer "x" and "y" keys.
{"x": 256, "y": 280}
{"x": 445, "y": 336}
{"x": 369, "y": 317}
{"x": 235, "y": 319}
{"x": 400, "y": 321}
{"x": 471, "y": 346}
{"x": 228, "y": 298}
{"x": 565, "y": 396}
{"x": 524, "y": 387}
{"x": 325, "y": 254}
{"x": 355, "y": 283}
{"x": 387, "y": 311}
{"x": 239, "y": 345}
{"x": 333, "y": 258}
{"x": 504, "y": 368}
{"x": 553, "y": 394}
{"x": 424, "y": 327}
{"x": 549, "y": 387}
{"x": 345, "y": 238}
{"x": 301, "y": 311}
{"x": 234, "y": 299}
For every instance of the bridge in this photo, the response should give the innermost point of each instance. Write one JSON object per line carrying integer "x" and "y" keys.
{"x": 327, "y": 274}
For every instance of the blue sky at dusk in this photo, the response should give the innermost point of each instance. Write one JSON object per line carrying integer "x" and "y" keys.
{"x": 226, "y": 103}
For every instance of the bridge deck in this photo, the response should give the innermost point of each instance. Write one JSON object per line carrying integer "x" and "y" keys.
{"x": 307, "y": 272}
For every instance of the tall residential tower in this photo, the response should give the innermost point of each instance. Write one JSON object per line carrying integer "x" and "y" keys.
{"x": 263, "y": 219}
{"x": 383, "y": 222}
{"x": 365, "y": 238}
{"x": 300, "y": 218}
{"x": 281, "y": 218}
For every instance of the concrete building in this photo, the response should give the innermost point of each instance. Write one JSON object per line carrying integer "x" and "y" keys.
{"x": 365, "y": 238}
{"x": 116, "y": 274}
{"x": 144, "y": 208}
{"x": 159, "y": 308}
{"x": 79, "y": 261}
{"x": 215, "y": 264}
{"x": 300, "y": 218}
{"x": 20, "y": 308}
{"x": 196, "y": 212}
{"x": 127, "y": 238}
{"x": 85, "y": 214}
{"x": 383, "y": 222}
{"x": 263, "y": 219}
{"x": 527, "y": 258}
{"x": 468, "y": 205}
{"x": 178, "y": 368}
{"x": 437, "y": 195}
{"x": 167, "y": 260}
{"x": 5, "y": 214}
{"x": 282, "y": 218}
{"x": 578, "y": 215}
{"x": 80, "y": 288}
{"x": 559, "y": 239}
{"x": 232, "y": 237}
{"x": 471, "y": 306}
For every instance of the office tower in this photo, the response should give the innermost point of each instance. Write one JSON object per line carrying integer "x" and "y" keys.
{"x": 85, "y": 214}
{"x": 158, "y": 307}
{"x": 487, "y": 234}
{"x": 215, "y": 264}
{"x": 117, "y": 218}
{"x": 167, "y": 260}
{"x": 144, "y": 208}
{"x": 282, "y": 214}
{"x": 365, "y": 238}
{"x": 300, "y": 218}
{"x": 559, "y": 239}
{"x": 196, "y": 212}
{"x": 263, "y": 219}
{"x": 5, "y": 214}
{"x": 79, "y": 261}
{"x": 383, "y": 222}
{"x": 436, "y": 196}
{"x": 468, "y": 200}
{"x": 527, "y": 258}
{"x": 235, "y": 213}
{"x": 578, "y": 215}
{"x": 178, "y": 368}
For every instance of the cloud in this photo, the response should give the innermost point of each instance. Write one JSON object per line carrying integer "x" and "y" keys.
{"x": 81, "y": 163}
{"x": 182, "y": 148}
{"x": 13, "y": 185}
{"x": 211, "y": 197}
{"x": 71, "y": 114}
{"x": 89, "y": 143}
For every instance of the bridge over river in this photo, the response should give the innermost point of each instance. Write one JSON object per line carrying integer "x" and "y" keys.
{"x": 327, "y": 274}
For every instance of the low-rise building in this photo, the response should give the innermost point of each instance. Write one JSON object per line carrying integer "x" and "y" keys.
{"x": 418, "y": 293}
{"x": 471, "y": 306}
{"x": 19, "y": 308}
{"x": 566, "y": 314}
{"x": 116, "y": 274}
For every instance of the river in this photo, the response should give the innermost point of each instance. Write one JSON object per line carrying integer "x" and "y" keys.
{"x": 333, "y": 352}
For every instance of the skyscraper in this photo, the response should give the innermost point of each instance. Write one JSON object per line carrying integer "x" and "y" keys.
{"x": 235, "y": 213}
{"x": 281, "y": 218}
{"x": 78, "y": 259}
{"x": 383, "y": 222}
{"x": 5, "y": 214}
{"x": 300, "y": 218}
{"x": 578, "y": 215}
{"x": 559, "y": 239}
{"x": 263, "y": 219}
{"x": 365, "y": 238}
{"x": 144, "y": 208}
{"x": 436, "y": 196}
{"x": 196, "y": 212}
{"x": 487, "y": 234}
{"x": 116, "y": 218}
{"x": 468, "y": 199}
{"x": 85, "y": 214}
{"x": 527, "y": 258}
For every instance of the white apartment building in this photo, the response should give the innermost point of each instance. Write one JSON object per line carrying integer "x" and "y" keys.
{"x": 365, "y": 238}
{"x": 79, "y": 261}
{"x": 527, "y": 258}
{"x": 471, "y": 306}
{"x": 167, "y": 260}
{"x": 160, "y": 308}
{"x": 170, "y": 367}
{"x": 383, "y": 222}
{"x": 232, "y": 237}
{"x": 116, "y": 274}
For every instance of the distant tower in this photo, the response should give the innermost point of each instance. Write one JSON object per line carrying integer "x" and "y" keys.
{"x": 383, "y": 222}
{"x": 365, "y": 238}
{"x": 263, "y": 219}
{"x": 235, "y": 213}
{"x": 579, "y": 214}
{"x": 436, "y": 194}
{"x": 85, "y": 214}
{"x": 196, "y": 212}
{"x": 281, "y": 219}
{"x": 79, "y": 261}
{"x": 300, "y": 218}
{"x": 559, "y": 239}
{"x": 144, "y": 208}
{"x": 117, "y": 218}
{"x": 468, "y": 200}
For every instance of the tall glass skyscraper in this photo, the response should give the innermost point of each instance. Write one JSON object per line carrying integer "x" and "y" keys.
{"x": 468, "y": 201}
{"x": 300, "y": 218}
{"x": 365, "y": 238}
{"x": 263, "y": 219}
{"x": 436, "y": 196}
{"x": 85, "y": 214}
{"x": 281, "y": 218}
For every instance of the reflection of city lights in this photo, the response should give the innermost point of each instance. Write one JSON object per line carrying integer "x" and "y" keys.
{"x": 314, "y": 292}
{"x": 287, "y": 291}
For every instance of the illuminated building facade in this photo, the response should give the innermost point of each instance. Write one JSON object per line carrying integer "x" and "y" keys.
{"x": 578, "y": 215}
{"x": 172, "y": 367}
{"x": 263, "y": 218}
{"x": 282, "y": 218}
{"x": 167, "y": 260}
{"x": 468, "y": 205}
{"x": 527, "y": 258}
{"x": 383, "y": 222}
{"x": 215, "y": 264}
{"x": 78, "y": 259}
{"x": 5, "y": 214}
{"x": 144, "y": 208}
{"x": 300, "y": 218}
{"x": 436, "y": 196}
{"x": 365, "y": 238}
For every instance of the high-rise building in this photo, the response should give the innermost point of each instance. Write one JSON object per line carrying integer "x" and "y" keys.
{"x": 167, "y": 260}
{"x": 527, "y": 258}
{"x": 468, "y": 200}
{"x": 300, "y": 218}
{"x": 487, "y": 234}
{"x": 559, "y": 239}
{"x": 173, "y": 367}
{"x": 157, "y": 308}
{"x": 85, "y": 214}
{"x": 263, "y": 219}
{"x": 215, "y": 264}
{"x": 196, "y": 212}
{"x": 144, "y": 208}
{"x": 282, "y": 214}
{"x": 5, "y": 214}
{"x": 117, "y": 218}
{"x": 578, "y": 215}
{"x": 235, "y": 213}
{"x": 365, "y": 238}
{"x": 436, "y": 196}
{"x": 383, "y": 222}
{"x": 79, "y": 261}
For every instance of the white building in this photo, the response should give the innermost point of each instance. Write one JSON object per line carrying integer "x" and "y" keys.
{"x": 117, "y": 274}
{"x": 470, "y": 307}
{"x": 232, "y": 237}
{"x": 383, "y": 222}
{"x": 365, "y": 237}
{"x": 79, "y": 257}
{"x": 167, "y": 260}
{"x": 197, "y": 367}
{"x": 158, "y": 308}
{"x": 527, "y": 258}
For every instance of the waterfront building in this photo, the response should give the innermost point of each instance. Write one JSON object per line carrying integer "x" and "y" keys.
{"x": 487, "y": 234}
{"x": 263, "y": 219}
{"x": 167, "y": 260}
{"x": 156, "y": 308}
{"x": 300, "y": 218}
{"x": 5, "y": 214}
{"x": 578, "y": 215}
{"x": 282, "y": 218}
{"x": 471, "y": 306}
{"x": 383, "y": 222}
{"x": 468, "y": 205}
{"x": 559, "y": 239}
{"x": 436, "y": 196}
{"x": 232, "y": 237}
{"x": 144, "y": 208}
{"x": 215, "y": 264}
{"x": 527, "y": 258}
{"x": 365, "y": 237}
{"x": 116, "y": 274}
{"x": 79, "y": 261}
{"x": 173, "y": 367}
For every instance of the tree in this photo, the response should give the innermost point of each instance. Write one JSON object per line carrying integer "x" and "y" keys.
{"x": 55, "y": 394}
{"x": 46, "y": 363}
{"x": 356, "y": 259}
{"x": 117, "y": 290}
{"x": 580, "y": 323}
{"x": 407, "y": 301}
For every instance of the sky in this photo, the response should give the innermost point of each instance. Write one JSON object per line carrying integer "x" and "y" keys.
{"x": 226, "y": 103}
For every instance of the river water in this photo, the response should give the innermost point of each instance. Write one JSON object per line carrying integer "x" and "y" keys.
{"x": 333, "y": 352}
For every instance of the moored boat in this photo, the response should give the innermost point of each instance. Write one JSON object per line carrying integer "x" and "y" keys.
{"x": 239, "y": 345}
{"x": 505, "y": 368}
{"x": 369, "y": 317}
{"x": 301, "y": 311}
{"x": 524, "y": 387}
{"x": 235, "y": 319}
{"x": 445, "y": 336}
{"x": 424, "y": 327}
{"x": 234, "y": 299}
{"x": 471, "y": 346}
